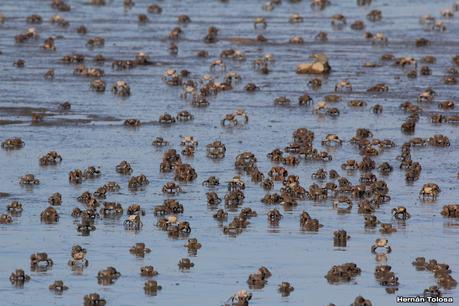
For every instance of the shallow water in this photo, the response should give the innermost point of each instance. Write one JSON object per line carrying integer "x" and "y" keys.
{"x": 92, "y": 133}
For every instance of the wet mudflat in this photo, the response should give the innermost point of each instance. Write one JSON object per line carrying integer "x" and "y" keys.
{"x": 92, "y": 133}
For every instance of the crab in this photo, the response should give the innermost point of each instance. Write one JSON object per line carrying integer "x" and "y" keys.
{"x": 59, "y": 21}
{"x": 133, "y": 222}
{"x": 235, "y": 198}
{"x": 108, "y": 276}
{"x": 427, "y": 96}
{"x": 124, "y": 167}
{"x": 236, "y": 183}
{"x": 212, "y": 181}
{"x": 446, "y": 105}
{"x": 55, "y": 199}
{"x": 338, "y": 21}
{"x": 151, "y": 287}
{"x": 282, "y": 100}
{"x": 13, "y": 144}
{"x": 240, "y": 298}
{"x": 171, "y": 188}
{"x": 142, "y": 58}
{"x": 139, "y": 249}
{"x": 139, "y": 181}
{"x": 135, "y": 209}
{"x": 371, "y": 221}
{"x": 258, "y": 279}
{"x": 285, "y": 288}
{"x": 133, "y": 123}
{"x": 185, "y": 173}
{"x": 340, "y": 238}
{"x": 169, "y": 206}
{"x": 160, "y": 142}
{"x": 49, "y": 215}
{"x": 148, "y": 271}
{"x": 5, "y": 219}
{"x": 386, "y": 228}
{"x": 439, "y": 141}
{"x": 450, "y": 210}
{"x": 14, "y": 208}
{"x": 184, "y": 116}
{"x": 19, "y": 277}
{"x": 321, "y": 36}
{"x": 381, "y": 243}
{"x": 297, "y": 40}
{"x": 274, "y": 216}
{"x": 95, "y": 42}
{"x": 439, "y": 26}
{"x": 438, "y": 118}
{"x": 260, "y": 22}
{"x": 98, "y": 85}
{"x": 343, "y": 273}
{"x": 385, "y": 168}
{"x": 217, "y": 64}
{"x": 78, "y": 257}
{"x": 278, "y": 173}
{"x": 121, "y": 88}
{"x": 185, "y": 264}
{"x": 30, "y": 33}
{"x": 237, "y": 118}
{"x": 20, "y": 63}
{"x": 111, "y": 209}
{"x": 94, "y": 299}
{"x": 51, "y": 158}
{"x": 171, "y": 77}
{"x": 429, "y": 191}
{"x": 58, "y": 286}
{"x": 166, "y": 118}
{"x": 332, "y": 140}
{"x": 37, "y": 19}
{"x": 86, "y": 226}
{"x": 400, "y": 213}
{"x": 188, "y": 141}
{"x": 40, "y": 261}
{"x": 220, "y": 215}
{"x": 358, "y": 25}
{"x": 29, "y": 179}
{"x": 357, "y": 103}
{"x": 82, "y": 70}
{"x": 343, "y": 85}
{"x": 342, "y": 204}
{"x": 193, "y": 246}
{"x": 48, "y": 44}
{"x": 374, "y": 15}
{"x": 350, "y": 164}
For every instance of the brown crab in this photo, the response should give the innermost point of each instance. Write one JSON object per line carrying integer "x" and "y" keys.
{"x": 29, "y": 179}
{"x": 121, "y": 88}
{"x": 285, "y": 288}
{"x": 13, "y": 143}
{"x": 94, "y": 299}
{"x": 19, "y": 277}
{"x": 429, "y": 191}
{"x": 55, "y": 199}
{"x": 151, "y": 287}
{"x": 237, "y": 118}
{"x": 139, "y": 249}
{"x": 381, "y": 243}
{"x": 49, "y": 215}
{"x": 40, "y": 261}
{"x": 58, "y": 286}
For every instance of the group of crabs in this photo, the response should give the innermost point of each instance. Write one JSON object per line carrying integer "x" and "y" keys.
{"x": 370, "y": 193}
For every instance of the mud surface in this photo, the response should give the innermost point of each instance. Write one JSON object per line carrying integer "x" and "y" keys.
{"x": 92, "y": 133}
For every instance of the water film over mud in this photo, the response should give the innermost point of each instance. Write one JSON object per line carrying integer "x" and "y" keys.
{"x": 92, "y": 133}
